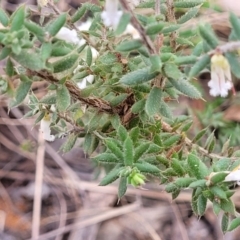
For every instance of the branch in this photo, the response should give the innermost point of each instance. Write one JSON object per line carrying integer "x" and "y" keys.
{"x": 167, "y": 128}
{"x": 147, "y": 41}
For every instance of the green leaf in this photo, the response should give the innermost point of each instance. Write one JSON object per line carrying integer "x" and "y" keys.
{"x": 172, "y": 71}
{"x": 227, "y": 206}
{"x": 29, "y": 60}
{"x": 49, "y": 99}
{"x": 222, "y": 164}
{"x": 69, "y": 144}
{"x": 185, "y": 60}
{"x": 134, "y": 134}
{"x": 113, "y": 147}
{"x": 122, "y": 187}
{"x": 208, "y": 35}
{"x": 202, "y": 204}
{"x": 89, "y": 57}
{"x": 90, "y": 143}
{"x": 54, "y": 27}
{"x": 186, "y": 88}
{"x": 216, "y": 208}
{"x": 78, "y": 14}
{"x": 171, "y": 140}
{"x": 145, "y": 167}
{"x": 35, "y": 29}
{"x": 225, "y": 222}
{"x": 235, "y": 22}
{"x": 187, "y": 4}
{"x": 234, "y": 224}
{"x": 154, "y": 28}
{"x": 234, "y": 63}
{"x": 129, "y": 45}
{"x": 163, "y": 160}
{"x": 124, "y": 21}
{"x": 106, "y": 158}
{"x": 184, "y": 41}
{"x": 45, "y": 51}
{"x": 187, "y": 126}
{"x": 156, "y": 64}
{"x": 21, "y": 92}
{"x": 171, "y": 187}
{"x": 153, "y": 101}
{"x": 5, "y": 52}
{"x": 4, "y": 19}
{"x": 199, "y": 135}
{"x": 128, "y": 151}
{"x": 184, "y": 182}
{"x": 118, "y": 99}
{"x": 63, "y": 98}
{"x": 165, "y": 110}
{"x": 122, "y": 133}
{"x": 188, "y": 15}
{"x": 196, "y": 167}
{"x": 199, "y": 183}
{"x": 140, "y": 150}
{"x": 177, "y": 167}
{"x": 111, "y": 176}
{"x": 17, "y": 19}
{"x": 218, "y": 192}
{"x": 199, "y": 66}
{"x": 138, "y": 76}
{"x": 170, "y": 29}
{"x": 218, "y": 177}
{"x": 154, "y": 148}
{"x": 40, "y": 117}
{"x": 10, "y": 68}
{"x": 138, "y": 106}
{"x": 65, "y": 63}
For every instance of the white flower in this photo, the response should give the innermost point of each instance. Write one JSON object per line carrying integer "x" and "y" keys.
{"x": 233, "y": 176}
{"x": 70, "y": 36}
{"x": 132, "y": 31}
{"x": 221, "y": 80}
{"x": 83, "y": 83}
{"x": 45, "y": 128}
{"x": 84, "y": 26}
{"x": 111, "y": 16}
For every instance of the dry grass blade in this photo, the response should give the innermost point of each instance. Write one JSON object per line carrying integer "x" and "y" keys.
{"x": 93, "y": 220}
{"x": 38, "y": 187}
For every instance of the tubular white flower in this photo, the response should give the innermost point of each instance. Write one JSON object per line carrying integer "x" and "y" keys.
{"x": 111, "y": 16}
{"x": 45, "y": 128}
{"x": 233, "y": 176}
{"x": 221, "y": 80}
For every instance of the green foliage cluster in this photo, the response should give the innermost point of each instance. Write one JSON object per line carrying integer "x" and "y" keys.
{"x": 125, "y": 113}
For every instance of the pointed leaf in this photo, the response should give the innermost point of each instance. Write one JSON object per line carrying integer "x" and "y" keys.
{"x": 54, "y": 27}
{"x": 122, "y": 187}
{"x": 199, "y": 66}
{"x": 186, "y": 88}
{"x": 29, "y": 60}
{"x": 111, "y": 176}
{"x": 69, "y": 144}
{"x": 63, "y": 98}
{"x": 138, "y": 76}
{"x": 196, "y": 167}
{"x": 128, "y": 151}
{"x": 153, "y": 101}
